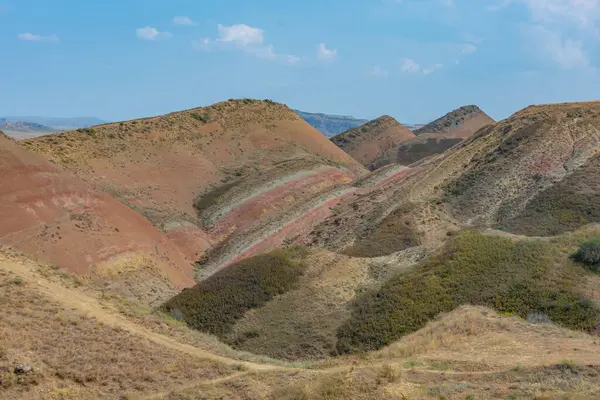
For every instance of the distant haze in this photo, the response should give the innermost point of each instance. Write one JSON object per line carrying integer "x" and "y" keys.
{"x": 58, "y": 123}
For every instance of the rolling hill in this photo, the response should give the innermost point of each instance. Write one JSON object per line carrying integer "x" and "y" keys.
{"x": 57, "y": 218}
{"x": 367, "y": 142}
{"x": 209, "y": 175}
{"x": 435, "y": 137}
{"x": 453, "y": 277}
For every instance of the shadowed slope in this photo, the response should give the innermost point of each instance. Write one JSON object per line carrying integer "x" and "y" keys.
{"x": 367, "y": 142}
{"x": 436, "y": 137}
{"x": 56, "y": 217}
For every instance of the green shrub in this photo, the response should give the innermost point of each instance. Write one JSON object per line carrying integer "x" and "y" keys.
{"x": 215, "y": 304}
{"x": 589, "y": 254}
{"x": 199, "y": 117}
{"x": 471, "y": 269}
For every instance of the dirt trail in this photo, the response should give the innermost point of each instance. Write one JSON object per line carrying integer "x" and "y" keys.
{"x": 75, "y": 299}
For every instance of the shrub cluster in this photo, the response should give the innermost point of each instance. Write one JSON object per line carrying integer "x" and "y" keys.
{"x": 589, "y": 254}
{"x": 472, "y": 269}
{"x": 215, "y": 304}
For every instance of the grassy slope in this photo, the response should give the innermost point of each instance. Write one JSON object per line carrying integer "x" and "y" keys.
{"x": 214, "y": 305}
{"x": 565, "y": 206}
{"x": 516, "y": 277}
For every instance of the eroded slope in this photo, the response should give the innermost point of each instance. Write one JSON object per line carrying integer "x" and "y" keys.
{"x": 56, "y": 217}
{"x": 367, "y": 142}
{"x": 213, "y": 161}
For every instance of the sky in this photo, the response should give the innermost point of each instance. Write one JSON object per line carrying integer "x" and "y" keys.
{"x": 412, "y": 59}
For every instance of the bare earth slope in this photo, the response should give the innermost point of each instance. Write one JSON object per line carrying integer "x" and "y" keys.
{"x": 205, "y": 174}
{"x": 435, "y": 137}
{"x": 367, "y": 142}
{"x": 460, "y": 123}
{"x": 54, "y": 216}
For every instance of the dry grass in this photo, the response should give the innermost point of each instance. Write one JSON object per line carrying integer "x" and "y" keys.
{"x": 76, "y": 356}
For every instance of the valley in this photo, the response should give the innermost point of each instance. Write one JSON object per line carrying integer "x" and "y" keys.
{"x": 232, "y": 251}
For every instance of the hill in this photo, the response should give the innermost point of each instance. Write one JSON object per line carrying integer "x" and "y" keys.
{"x": 330, "y": 125}
{"x": 460, "y": 123}
{"x": 50, "y": 324}
{"x": 208, "y": 174}
{"x": 435, "y": 137}
{"x": 24, "y": 130}
{"x": 523, "y": 166}
{"x": 57, "y": 218}
{"x": 58, "y": 124}
{"x": 367, "y": 142}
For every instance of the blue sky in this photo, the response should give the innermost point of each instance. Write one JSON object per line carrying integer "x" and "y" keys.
{"x": 412, "y": 59}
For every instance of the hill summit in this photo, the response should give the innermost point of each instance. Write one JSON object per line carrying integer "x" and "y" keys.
{"x": 460, "y": 123}
{"x": 436, "y": 137}
{"x": 366, "y": 142}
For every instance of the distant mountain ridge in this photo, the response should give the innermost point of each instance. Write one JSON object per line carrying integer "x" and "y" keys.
{"x": 57, "y": 123}
{"x": 330, "y": 125}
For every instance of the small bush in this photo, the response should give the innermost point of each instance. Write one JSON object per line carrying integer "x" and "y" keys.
{"x": 589, "y": 254}
{"x": 215, "y": 304}
{"x": 199, "y": 117}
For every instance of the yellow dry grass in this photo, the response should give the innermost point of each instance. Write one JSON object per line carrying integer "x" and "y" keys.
{"x": 83, "y": 347}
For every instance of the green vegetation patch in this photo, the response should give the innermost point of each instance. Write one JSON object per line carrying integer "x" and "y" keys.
{"x": 396, "y": 232}
{"x": 207, "y": 200}
{"x": 565, "y": 206}
{"x": 589, "y": 254}
{"x": 514, "y": 277}
{"x": 215, "y": 304}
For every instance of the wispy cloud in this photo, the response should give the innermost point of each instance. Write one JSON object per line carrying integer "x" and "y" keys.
{"x": 31, "y": 37}
{"x": 325, "y": 54}
{"x": 183, "y": 20}
{"x": 408, "y": 65}
{"x": 562, "y": 30}
{"x": 247, "y": 39}
{"x": 149, "y": 33}
{"x": 378, "y": 72}
{"x": 203, "y": 44}
{"x": 468, "y": 48}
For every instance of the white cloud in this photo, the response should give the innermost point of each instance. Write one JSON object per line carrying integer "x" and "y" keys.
{"x": 325, "y": 54}
{"x": 378, "y": 72}
{"x": 408, "y": 65}
{"x": 183, "y": 20}
{"x": 149, "y": 33}
{"x": 565, "y": 52}
{"x": 247, "y": 39}
{"x": 432, "y": 69}
{"x": 203, "y": 44}
{"x": 468, "y": 48}
{"x": 30, "y": 37}
{"x": 241, "y": 34}
{"x": 562, "y": 29}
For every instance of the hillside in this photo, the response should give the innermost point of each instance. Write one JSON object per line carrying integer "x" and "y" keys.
{"x": 435, "y": 137}
{"x": 57, "y": 218}
{"x": 207, "y": 174}
{"x": 460, "y": 123}
{"x": 525, "y": 164}
{"x": 367, "y": 142}
{"x": 330, "y": 125}
{"x": 51, "y": 324}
